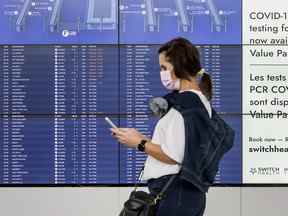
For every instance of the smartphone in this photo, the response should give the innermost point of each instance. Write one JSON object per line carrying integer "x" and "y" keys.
{"x": 108, "y": 120}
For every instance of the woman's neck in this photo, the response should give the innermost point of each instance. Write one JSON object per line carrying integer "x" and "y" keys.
{"x": 188, "y": 85}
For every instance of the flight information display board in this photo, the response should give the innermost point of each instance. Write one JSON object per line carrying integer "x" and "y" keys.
{"x": 53, "y": 100}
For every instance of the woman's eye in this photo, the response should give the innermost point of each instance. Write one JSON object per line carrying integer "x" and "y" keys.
{"x": 163, "y": 68}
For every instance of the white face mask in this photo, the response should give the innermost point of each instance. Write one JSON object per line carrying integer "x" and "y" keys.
{"x": 168, "y": 82}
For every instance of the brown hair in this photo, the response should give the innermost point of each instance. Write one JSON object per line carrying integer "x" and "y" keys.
{"x": 185, "y": 58}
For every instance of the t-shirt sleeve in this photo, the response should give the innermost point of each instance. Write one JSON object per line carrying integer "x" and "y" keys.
{"x": 156, "y": 138}
{"x": 173, "y": 144}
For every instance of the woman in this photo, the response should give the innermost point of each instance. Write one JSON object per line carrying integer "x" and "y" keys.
{"x": 180, "y": 70}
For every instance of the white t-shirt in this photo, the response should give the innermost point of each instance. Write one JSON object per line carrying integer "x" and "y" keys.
{"x": 169, "y": 133}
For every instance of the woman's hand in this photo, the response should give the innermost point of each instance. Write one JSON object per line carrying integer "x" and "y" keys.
{"x": 128, "y": 136}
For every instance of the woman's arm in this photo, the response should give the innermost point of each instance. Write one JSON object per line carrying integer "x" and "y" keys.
{"x": 156, "y": 152}
{"x": 131, "y": 137}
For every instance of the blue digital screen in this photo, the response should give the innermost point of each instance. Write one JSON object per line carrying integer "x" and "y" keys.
{"x": 230, "y": 170}
{"x": 201, "y": 21}
{"x": 66, "y": 64}
{"x": 53, "y": 100}
{"x": 60, "y": 79}
{"x": 57, "y": 150}
{"x": 59, "y": 22}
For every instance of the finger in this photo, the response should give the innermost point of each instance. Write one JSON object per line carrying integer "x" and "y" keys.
{"x": 120, "y": 132}
{"x": 115, "y": 131}
{"x": 117, "y": 136}
{"x": 122, "y": 141}
{"x": 125, "y": 129}
{"x": 120, "y": 136}
{"x": 118, "y": 139}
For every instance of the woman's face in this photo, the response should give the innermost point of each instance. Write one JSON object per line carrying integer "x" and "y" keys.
{"x": 165, "y": 65}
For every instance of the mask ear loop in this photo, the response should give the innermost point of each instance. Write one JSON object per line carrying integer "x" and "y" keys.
{"x": 177, "y": 82}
